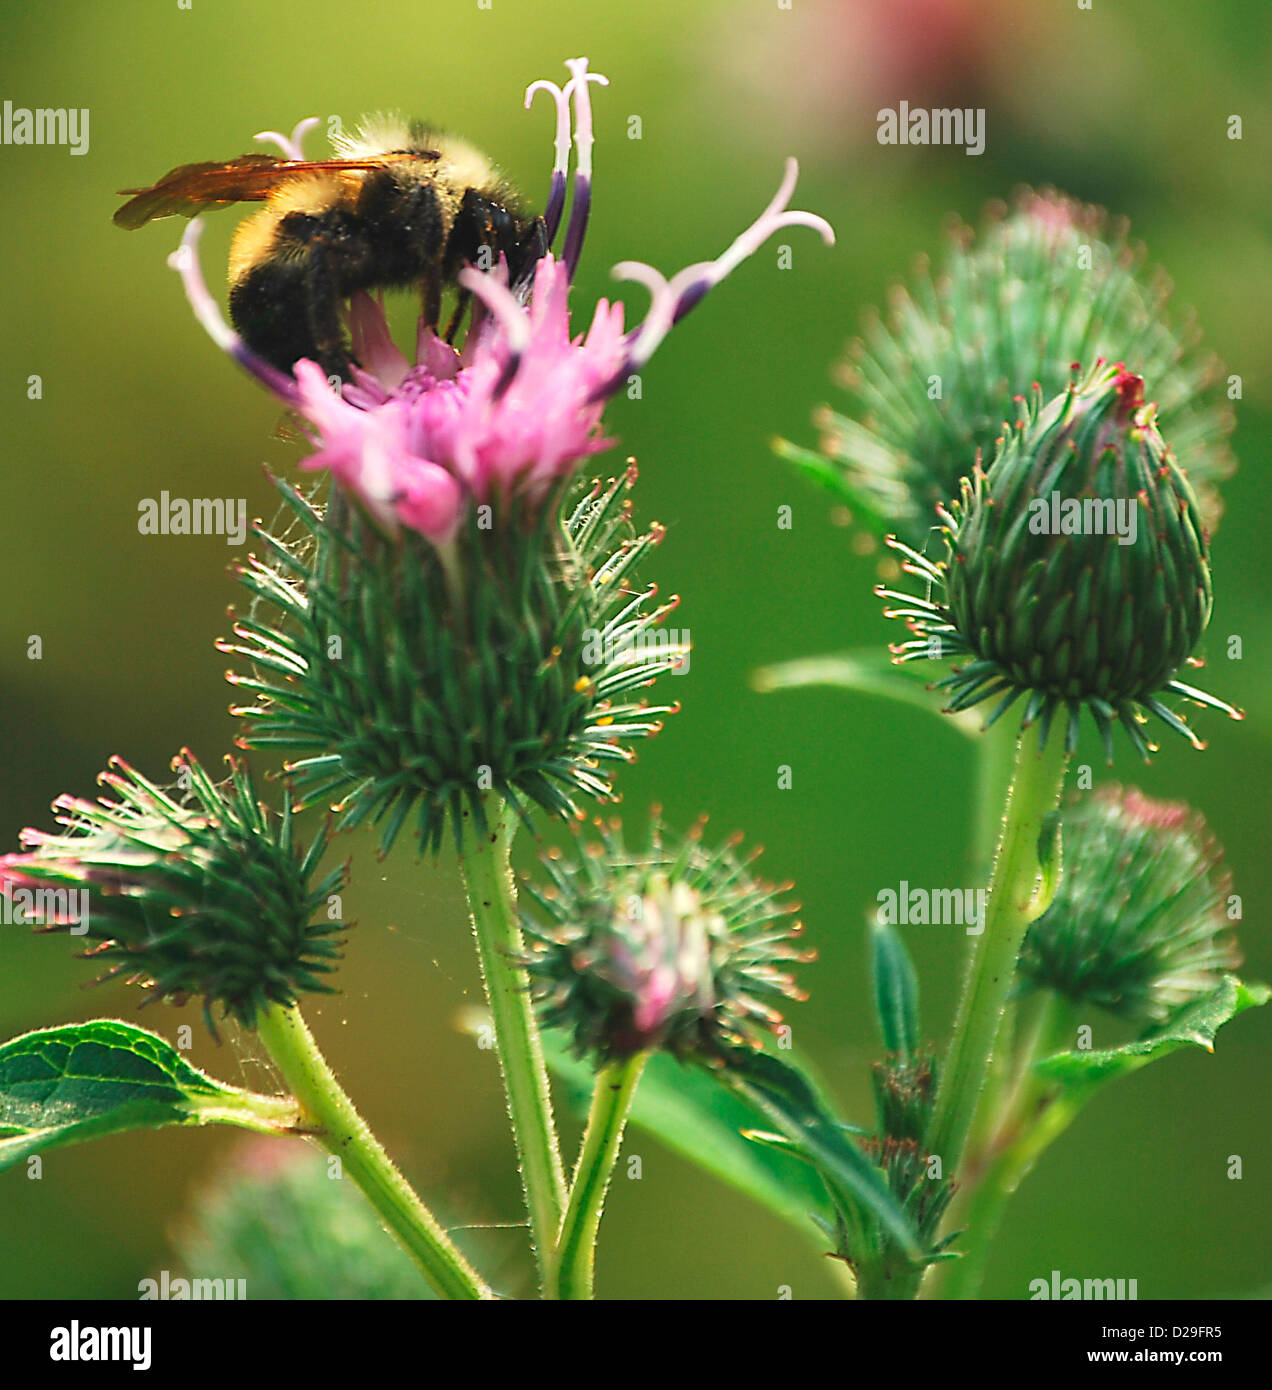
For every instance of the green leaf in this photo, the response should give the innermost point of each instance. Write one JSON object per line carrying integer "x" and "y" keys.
{"x": 826, "y": 474}
{"x": 1194, "y": 1026}
{"x": 896, "y": 990}
{"x": 788, "y": 1098}
{"x": 870, "y": 671}
{"x": 63, "y": 1085}
{"x": 689, "y": 1111}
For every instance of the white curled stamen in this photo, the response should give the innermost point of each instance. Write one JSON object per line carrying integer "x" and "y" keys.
{"x": 581, "y": 205}
{"x": 185, "y": 261}
{"x": 772, "y": 219}
{"x": 674, "y": 297}
{"x": 577, "y": 88}
{"x": 561, "y": 144}
{"x": 291, "y": 145}
{"x": 658, "y": 320}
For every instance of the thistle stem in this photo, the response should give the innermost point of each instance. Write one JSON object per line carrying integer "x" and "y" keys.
{"x": 1028, "y": 1122}
{"x": 1012, "y": 906}
{"x": 994, "y": 767}
{"x": 881, "y": 1282}
{"x": 995, "y": 759}
{"x": 492, "y": 902}
{"x": 576, "y": 1249}
{"x": 343, "y": 1132}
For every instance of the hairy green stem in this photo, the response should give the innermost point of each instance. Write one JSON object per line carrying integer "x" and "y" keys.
{"x": 996, "y": 754}
{"x": 576, "y": 1249}
{"x": 340, "y": 1128}
{"x": 1012, "y": 906}
{"x": 1004, "y": 1176}
{"x": 1027, "y": 1121}
{"x": 995, "y": 760}
{"x": 887, "y": 1281}
{"x": 492, "y": 902}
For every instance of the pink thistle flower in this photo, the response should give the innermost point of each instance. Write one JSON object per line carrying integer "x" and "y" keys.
{"x": 520, "y": 406}
{"x": 203, "y": 894}
{"x": 675, "y": 947}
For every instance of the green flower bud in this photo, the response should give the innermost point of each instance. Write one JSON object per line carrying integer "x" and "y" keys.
{"x": 271, "y": 1215}
{"x": 1044, "y": 284}
{"x": 905, "y": 1091}
{"x": 675, "y": 948}
{"x": 1139, "y": 921}
{"x": 1076, "y": 572}
{"x": 419, "y": 679}
{"x": 205, "y": 896}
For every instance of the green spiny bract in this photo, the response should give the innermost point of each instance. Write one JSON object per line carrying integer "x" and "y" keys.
{"x": 1076, "y": 571}
{"x": 1139, "y": 921}
{"x": 923, "y": 1198}
{"x": 905, "y": 1095}
{"x": 905, "y": 1092}
{"x": 674, "y": 947}
{"x": 417, "y": 678}
{"x": 1043, "y": 286}
{"x": 207, "y": 895}
{"x": 905, "y": 1089}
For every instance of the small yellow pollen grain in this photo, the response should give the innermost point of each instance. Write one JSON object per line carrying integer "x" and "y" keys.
{"x": 582, "y": 684}
{"x": 608, "y": 719}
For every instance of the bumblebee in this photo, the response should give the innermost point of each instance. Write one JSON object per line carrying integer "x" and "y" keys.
{"x": 403, "y": 205}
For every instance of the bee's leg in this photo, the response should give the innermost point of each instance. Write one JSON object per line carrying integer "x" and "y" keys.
{"x": 462, "y": 299}
{"x": 482, "y": 232}
{"x": 531, "y": 248}
{"x": 406, "y": 228}
{"x": 432, "y": 306}
{"x": 470, "y": 231}
{"x": 287, "y": 309}
{"x": 322, "y": 302}
{"x": 310, "y": 272}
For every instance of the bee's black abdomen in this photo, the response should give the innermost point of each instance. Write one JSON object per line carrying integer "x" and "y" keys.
{"x": 269, "y": 307}
{"x": 287, "y": 306}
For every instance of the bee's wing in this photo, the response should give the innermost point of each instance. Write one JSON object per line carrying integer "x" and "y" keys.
{"x": 249, "y": 178}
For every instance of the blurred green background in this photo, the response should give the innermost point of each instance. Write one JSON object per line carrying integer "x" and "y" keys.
{"x": 1126, "y": 105}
